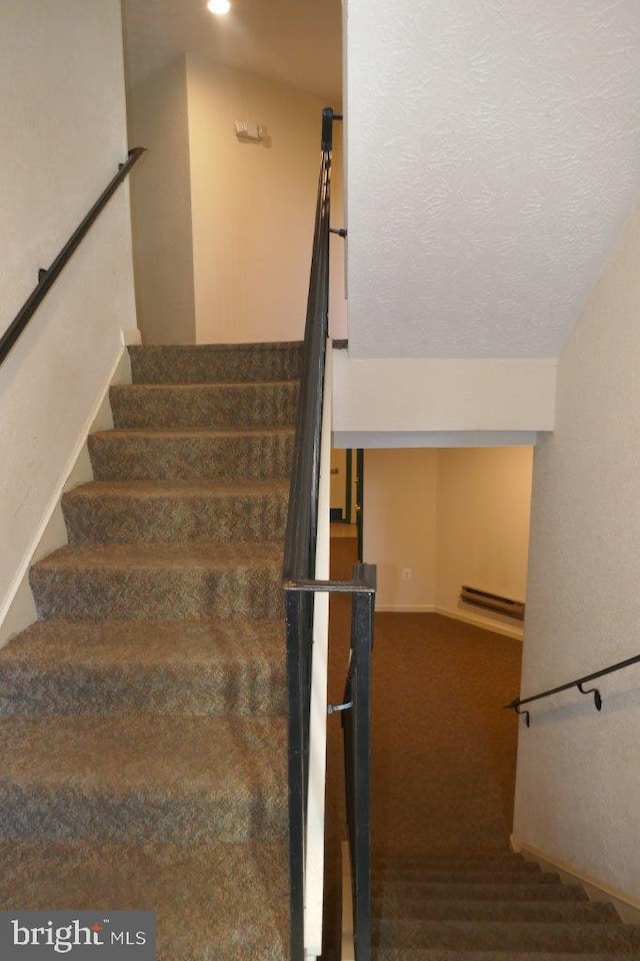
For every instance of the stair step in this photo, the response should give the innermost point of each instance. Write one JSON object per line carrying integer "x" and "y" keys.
{"x": 545, "y": 888}
{"x": 176, "y": 582}
{"x": 523, "y": 871}
{"x": 437, "y": 954}
{"x": 213, "y": 901}
{"x": 143, "y": 779}
{"x": 121, "y": 667}
{"x": 176, "y": 512}
{"x": 451, "y": 859}
{"x": 191, "y": 454}
{"x": 459, "y": 910}
{"x": 507, "y": 936}
{"x": 210, "y": 363}
{"x": 211, "y": 406}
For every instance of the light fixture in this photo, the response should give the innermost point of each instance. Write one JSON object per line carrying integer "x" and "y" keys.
{"x": 219, "y": 6}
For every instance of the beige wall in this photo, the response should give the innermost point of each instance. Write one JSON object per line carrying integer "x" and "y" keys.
{"x": 454, "y": 516}
{"x": 223, "y": 229}
{"x": 62, "y": 118}
{"x": 253, "y": 205}
{"x": 161, "y": 207}
{"x": 400, "y": 525}
{"x": 578, "y": 783}
{"x": 484, "y": 506}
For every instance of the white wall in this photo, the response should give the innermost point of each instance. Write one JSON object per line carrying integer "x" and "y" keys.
{"x": 253, "y": 205}
{"x": 578, "y": 781}
{"x": 161, "y": 207}
{"x": 400, "y": 401}
{"x": 454, "y": 517}
{"x": 64, "y": 133}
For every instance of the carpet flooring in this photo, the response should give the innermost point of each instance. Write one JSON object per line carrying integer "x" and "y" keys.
{"x": 143, "y": 755}
{"x": 445, "y": 885}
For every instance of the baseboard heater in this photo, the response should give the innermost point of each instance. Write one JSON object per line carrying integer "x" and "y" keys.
{"x": 493, "y": 602}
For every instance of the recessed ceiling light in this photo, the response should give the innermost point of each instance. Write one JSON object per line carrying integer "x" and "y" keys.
{"x": 219, "y": 6}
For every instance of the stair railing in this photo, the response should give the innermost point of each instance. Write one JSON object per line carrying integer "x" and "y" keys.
{"x": 578, "y": 683}
{"x": 48, "y": 276}
{"x": 306, "y": 593}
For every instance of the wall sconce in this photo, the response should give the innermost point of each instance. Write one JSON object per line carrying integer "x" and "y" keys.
{"x": 242, "y": 132}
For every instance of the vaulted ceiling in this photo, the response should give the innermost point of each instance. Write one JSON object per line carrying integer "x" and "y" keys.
{"x": 295, "y": 41}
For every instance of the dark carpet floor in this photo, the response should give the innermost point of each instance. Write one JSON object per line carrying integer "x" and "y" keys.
{"x": 443, "y": 748}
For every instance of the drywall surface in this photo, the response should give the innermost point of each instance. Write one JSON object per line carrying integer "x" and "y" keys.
{"x": 161, "y": 207}
{"x": 400, "y": 526}
{"x": 253, "y": 204}
{"x": 493, "y": 152}
{"x": 437, "y": 519}
{"x": 578, "y": 783}
{"x": 410, "y": 395}
{"x": 484, "y": 506}
{"x": 64, "y": 134}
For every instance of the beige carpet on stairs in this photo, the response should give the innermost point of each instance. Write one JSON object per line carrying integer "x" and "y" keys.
{"x": 143, "y": 756}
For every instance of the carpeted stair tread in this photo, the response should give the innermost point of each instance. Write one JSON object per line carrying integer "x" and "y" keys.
{"x": 250, "y": 453}
{"x": 394, "y": 892}
{"x": 481, "y": 873}
{"x": 211, "y": 406}
{"x": 507, "y": 936}
{"x": 140, "y": 779}
{"x": 453, "y": 858}
{"x": 437, "y": 954}
{"x": 214, "y": 901}
{"x": 133, "y": 582}
{"x": 121, "y": 667}
{"x": 145, "y": 511}
{"x": 492, "y": 910}
{"x": 211, "y": 363}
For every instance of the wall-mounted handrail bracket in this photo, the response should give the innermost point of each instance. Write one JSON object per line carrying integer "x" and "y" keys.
{"x": 579, "y": 682}
{"x": 42, "y": 273}
{"x": 524, "y": 714}
{"x": 597, "y": 699}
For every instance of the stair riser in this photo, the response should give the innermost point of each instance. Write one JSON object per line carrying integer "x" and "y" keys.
{"x": 518, "y": 874}
{"x": 211, "y": 408}
{"x": 175, "y": 594}
{"x": 211, "y": 364}
{"x": 70, "y": 814}
{"x": 187, "y": 457}
{"x": 480, "y": 911}
{"x": 399, "y": 893}
{"x": 175, "y": 520}
{"x": 514, "y": 936}
{"x": 116, "y": 693}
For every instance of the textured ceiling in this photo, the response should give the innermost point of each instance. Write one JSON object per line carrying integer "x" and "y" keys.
{"x": 294, "y": 41}
{"x": 493, "y": 157}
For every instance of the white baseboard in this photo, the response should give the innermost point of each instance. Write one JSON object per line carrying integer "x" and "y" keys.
{"x": 406, "y": 608}
{"x": 627, "y": 907}
{"x": 18, "y": 610}
{"x": 497, "y": 627}
{"x": 488, "y": 623}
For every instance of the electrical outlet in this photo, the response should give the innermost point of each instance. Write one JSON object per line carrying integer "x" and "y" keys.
{"x": 406, "y": 573}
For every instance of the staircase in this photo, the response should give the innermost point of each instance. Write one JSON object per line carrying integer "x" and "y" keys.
{"x": 489, "y": 906}
{"x": 142, "y": 718}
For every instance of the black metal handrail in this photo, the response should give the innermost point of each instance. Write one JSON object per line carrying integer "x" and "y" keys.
{"x": 579, "y": 683}
{"x": 300, "y": 585}
{"x": 47, "y": 277}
